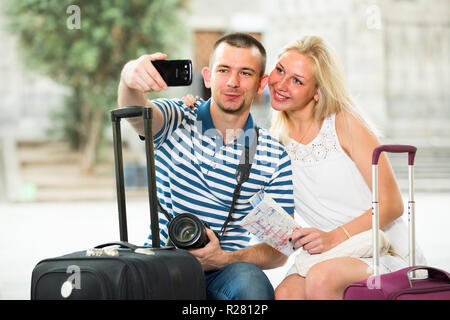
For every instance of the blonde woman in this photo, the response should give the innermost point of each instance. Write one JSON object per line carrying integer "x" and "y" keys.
{"x": 330, "y": 146}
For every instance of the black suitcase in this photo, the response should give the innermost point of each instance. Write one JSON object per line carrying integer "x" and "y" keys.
{"x": 126, "y": 272}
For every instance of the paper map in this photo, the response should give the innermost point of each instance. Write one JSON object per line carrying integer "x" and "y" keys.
{"x": 270, "y": 223}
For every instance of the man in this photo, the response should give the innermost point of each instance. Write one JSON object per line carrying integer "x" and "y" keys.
{"x": 197, "y": 153}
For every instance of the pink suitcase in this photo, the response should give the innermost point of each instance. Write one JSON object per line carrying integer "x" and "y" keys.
{"x": 406, "y": 283}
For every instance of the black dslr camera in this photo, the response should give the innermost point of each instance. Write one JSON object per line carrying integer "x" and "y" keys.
{"x": 186, "y": 231}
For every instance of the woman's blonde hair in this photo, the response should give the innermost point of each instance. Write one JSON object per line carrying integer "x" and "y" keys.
{"x": 332, "y": 90}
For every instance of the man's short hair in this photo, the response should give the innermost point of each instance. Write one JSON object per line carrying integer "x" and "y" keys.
{"x": 241, "y": 40}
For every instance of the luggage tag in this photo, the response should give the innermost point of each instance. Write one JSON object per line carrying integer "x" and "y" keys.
{"x": 113, "y": 252}
{"x": 102, "y": 252}
{"x": 147, "y": 251}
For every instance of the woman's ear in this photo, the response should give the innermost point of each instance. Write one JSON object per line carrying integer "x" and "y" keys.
{"x": 316, "y": 97}
{"x": 206, "y": 73}
{"x": 317, "y": 94}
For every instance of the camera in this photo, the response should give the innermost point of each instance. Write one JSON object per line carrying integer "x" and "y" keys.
{"x": 186, "y": 231}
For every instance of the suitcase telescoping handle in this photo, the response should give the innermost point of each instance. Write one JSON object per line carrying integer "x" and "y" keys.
{"x": 147, "y": 115}
{"x": 411, "y": 150}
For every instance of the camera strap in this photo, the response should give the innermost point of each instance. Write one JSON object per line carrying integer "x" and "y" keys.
{"x": 242, "y": 175}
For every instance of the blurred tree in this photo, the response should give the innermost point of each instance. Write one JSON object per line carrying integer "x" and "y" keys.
{"x": 84, "y": 44}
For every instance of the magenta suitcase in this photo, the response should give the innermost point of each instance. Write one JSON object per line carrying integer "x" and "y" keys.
{"x": 406, "y": 283}
{"x": 401, "y": 285}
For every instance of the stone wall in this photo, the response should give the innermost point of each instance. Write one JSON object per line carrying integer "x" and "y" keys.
{"x": 27, "y": 98}
{"x": 395, "y": 54}
{"x": 417, "y": 76}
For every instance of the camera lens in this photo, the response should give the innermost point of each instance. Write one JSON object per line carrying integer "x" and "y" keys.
{"x": 187, "y": 231}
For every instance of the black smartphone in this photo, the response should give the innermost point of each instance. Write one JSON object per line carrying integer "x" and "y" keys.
{"x": 175, "y": 72}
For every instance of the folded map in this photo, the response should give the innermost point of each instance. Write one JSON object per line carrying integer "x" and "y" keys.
{"x": 270, "y": 223}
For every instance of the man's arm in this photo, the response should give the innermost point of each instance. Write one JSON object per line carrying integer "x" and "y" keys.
{"x": 261, "y": 254}
{"x": 136, "y": 79}
{"x": 280, "y": 188}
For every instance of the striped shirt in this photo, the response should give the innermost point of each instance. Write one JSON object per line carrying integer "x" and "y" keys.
{"x": 196, "y": 171}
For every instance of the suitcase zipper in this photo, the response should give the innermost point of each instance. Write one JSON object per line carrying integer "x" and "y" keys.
{"x": 130, "y": 266}
{"x": 103, "y": 283}
{"x": 137, "y": 274}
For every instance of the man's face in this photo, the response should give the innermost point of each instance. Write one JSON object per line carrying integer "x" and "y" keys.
{"x": 234, "y": 77}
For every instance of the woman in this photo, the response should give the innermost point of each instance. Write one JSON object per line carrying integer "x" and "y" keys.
{"x": 331, "y": 147}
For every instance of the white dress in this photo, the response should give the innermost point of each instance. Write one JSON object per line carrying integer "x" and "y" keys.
{"x": 330, "y": 191}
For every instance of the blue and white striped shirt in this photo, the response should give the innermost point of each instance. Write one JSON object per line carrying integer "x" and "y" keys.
{"x": 196, "y": 171}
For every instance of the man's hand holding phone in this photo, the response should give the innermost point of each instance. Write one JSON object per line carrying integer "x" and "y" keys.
{"x": 150, "y": 73}
{"x": 141, "y": 75}
{"x": 153, "y": 73}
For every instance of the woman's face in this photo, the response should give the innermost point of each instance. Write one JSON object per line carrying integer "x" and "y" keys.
{"x": 292, "y": 83}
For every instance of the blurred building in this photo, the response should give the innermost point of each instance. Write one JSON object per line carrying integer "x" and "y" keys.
{"x": 395, "y": 52}
{"x": 396, "y": 55}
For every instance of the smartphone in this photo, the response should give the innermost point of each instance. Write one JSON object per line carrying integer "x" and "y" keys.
{"x": 175, "y": 72}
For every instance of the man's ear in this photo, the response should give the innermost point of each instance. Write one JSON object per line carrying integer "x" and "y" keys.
{"x": 206, "y": 73}
{"x": 263, "y": 83}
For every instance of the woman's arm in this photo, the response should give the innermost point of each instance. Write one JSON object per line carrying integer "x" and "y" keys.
{"x": 358, "y": 142}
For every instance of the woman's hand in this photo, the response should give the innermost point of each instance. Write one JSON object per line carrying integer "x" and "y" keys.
{"x": 314, "y": 240}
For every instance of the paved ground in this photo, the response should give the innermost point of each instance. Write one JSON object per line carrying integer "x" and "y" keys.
{"x": 30, "y": 232}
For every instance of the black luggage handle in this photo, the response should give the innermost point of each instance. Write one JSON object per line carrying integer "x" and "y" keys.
{"x": 147, "y": 115}
{"x": 131, "y": 112}
{"x": 122, "y": 244}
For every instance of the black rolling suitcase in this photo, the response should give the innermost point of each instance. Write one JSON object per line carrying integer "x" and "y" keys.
{"x": 127, "y": 271}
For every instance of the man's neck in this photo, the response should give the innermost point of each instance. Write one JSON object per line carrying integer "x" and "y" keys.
{"x": 230, "y": 125}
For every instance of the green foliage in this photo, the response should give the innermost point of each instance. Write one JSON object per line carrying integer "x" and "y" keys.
{"x": 90, "y": 59}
